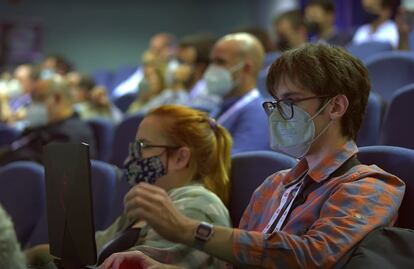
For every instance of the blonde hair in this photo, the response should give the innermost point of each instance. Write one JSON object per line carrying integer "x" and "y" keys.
{"x": 209, "y": 142}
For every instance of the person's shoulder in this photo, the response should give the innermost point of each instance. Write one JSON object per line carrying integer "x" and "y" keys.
{"x": 371, "y": 174}
{"x": 197, "y": 202}
{"x": 194, "y": 192}
{"x": 272, "y": 181}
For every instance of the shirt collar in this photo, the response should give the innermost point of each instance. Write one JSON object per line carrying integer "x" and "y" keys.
{"x": 328, "y": 164}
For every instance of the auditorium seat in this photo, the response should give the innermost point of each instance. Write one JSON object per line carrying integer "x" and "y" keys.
{"x": 22, "y": 194}
{"x": 123, "y": 101}
{"x": 104, "y": 177}
{"x": 371, "y": 124}
{"x": 400, "y": 162}
{"x": 397, "y": 129}
{"x": 122, "y": 74}
{"x": 124, "y": 134}
{"x": 103, "y": 130}
{"x": 248, "y": 171}
{"x": 7, "y": 134}
{"x": 365, "y": 50}
{"x": 390, "y": 71}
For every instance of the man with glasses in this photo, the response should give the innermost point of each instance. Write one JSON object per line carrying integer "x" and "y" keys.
{"x": 312, "y": 215}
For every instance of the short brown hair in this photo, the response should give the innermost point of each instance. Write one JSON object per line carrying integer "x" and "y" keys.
{"x": 326, "y": 70}
{"x": 294, "y": 17}
{"x": 326, "y": 5}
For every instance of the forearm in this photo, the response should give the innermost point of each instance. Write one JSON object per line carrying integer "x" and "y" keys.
{"x": 220, "y": 245}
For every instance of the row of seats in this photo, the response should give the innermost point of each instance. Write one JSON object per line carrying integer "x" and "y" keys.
{"x": 248, "y": 172}
{"x": 380, "y": 126}
{"x": 27, "y": 205}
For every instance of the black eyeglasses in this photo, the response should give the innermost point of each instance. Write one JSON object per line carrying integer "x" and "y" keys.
{"x": 136, "y": 147}
{"x": 285, "y": 106}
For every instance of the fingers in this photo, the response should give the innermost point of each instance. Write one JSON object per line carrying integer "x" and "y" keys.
{"x": 107, "y": 264}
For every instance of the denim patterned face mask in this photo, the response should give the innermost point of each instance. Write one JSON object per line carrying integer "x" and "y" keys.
{"x": 138, "y": 169}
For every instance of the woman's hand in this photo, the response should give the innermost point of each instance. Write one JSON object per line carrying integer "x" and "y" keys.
{"x": 152, "y": 204}
{"x": 132, "y": 260}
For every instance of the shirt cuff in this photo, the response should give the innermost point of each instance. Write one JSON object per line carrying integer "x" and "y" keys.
{"x": 248, "y": 246}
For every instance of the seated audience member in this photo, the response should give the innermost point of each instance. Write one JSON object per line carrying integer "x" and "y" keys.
{"x": 236, "y": 60}
{"x": 162, "y": 46}
{"x": 10, "y": 254}
{"x": 380, "y": 27}
{"x": 187, "y": 154}
{"x": 150, "y": 86}
{"x": 55, "y": 65}
{"x": 404, "y": 20}
{"x": 332, "y": 201}
{"x": 177, "y": 93}
{"x": 194, "y": 50}
{"x": 290, "y": 30}
{"x": 91, "y": 101}
{"x": 320, "y": 20}
{"x": 16, "y": 92}
{"x": 63, "y": 125}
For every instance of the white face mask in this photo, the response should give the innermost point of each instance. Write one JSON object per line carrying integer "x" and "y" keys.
{"x": 170, "y": 71}
{"x": 219, "y": 80}
{"x": 294, "y": 137}
{"x": 37, "y": 115}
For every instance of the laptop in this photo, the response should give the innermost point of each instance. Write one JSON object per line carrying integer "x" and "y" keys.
{"x": 69, "y": 205}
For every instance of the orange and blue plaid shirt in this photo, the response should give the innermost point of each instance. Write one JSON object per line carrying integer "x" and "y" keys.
{"x": 333, "y": 219}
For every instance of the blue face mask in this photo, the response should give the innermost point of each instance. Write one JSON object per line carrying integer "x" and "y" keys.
{"x": 147, "y": 170}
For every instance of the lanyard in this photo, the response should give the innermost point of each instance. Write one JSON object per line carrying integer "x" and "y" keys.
{"x": 244, "y": 101}
{"x": 295, "y": 188}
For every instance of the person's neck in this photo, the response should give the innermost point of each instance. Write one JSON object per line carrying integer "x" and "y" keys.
{"x": 327, "y": 32}
{"x": 181, "y": 178}
{"x": 326, "y": 145}
{"x": 375, "y": 24}
{"x": 242, "y": 89}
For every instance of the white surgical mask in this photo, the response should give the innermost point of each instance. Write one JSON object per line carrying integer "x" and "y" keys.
{"x": 37, "y": 115}
{"x": 294, "y": 137}
{"x": 219, "y": 80}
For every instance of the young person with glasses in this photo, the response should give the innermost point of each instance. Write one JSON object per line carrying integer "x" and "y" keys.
{"x": 309, "y": 216}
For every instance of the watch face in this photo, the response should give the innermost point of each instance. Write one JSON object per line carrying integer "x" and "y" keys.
{"x": 204, "y": 231}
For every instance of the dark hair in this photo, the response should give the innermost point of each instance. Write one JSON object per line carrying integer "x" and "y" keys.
{"x": 86, "y": 83}
{"x": 327, "y": 5}
{"x": 63, "y": 66}
{"x": 202, "y": 43}
{"x": 294, "y": 17}
{"x": 387, "y": 4}
{"x": 326, "y": 70}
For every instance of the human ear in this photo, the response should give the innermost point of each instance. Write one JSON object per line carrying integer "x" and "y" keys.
{"x": 338, "y": 107}
{"x": 182, "y": 158}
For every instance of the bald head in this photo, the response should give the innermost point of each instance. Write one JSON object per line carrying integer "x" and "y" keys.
{"x": 246, "y": 47}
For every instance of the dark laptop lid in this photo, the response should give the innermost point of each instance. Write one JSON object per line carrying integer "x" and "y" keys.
{"x": 69, "y": 204}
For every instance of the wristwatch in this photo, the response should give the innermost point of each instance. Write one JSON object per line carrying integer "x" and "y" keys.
{"x": 202, "y": 234}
